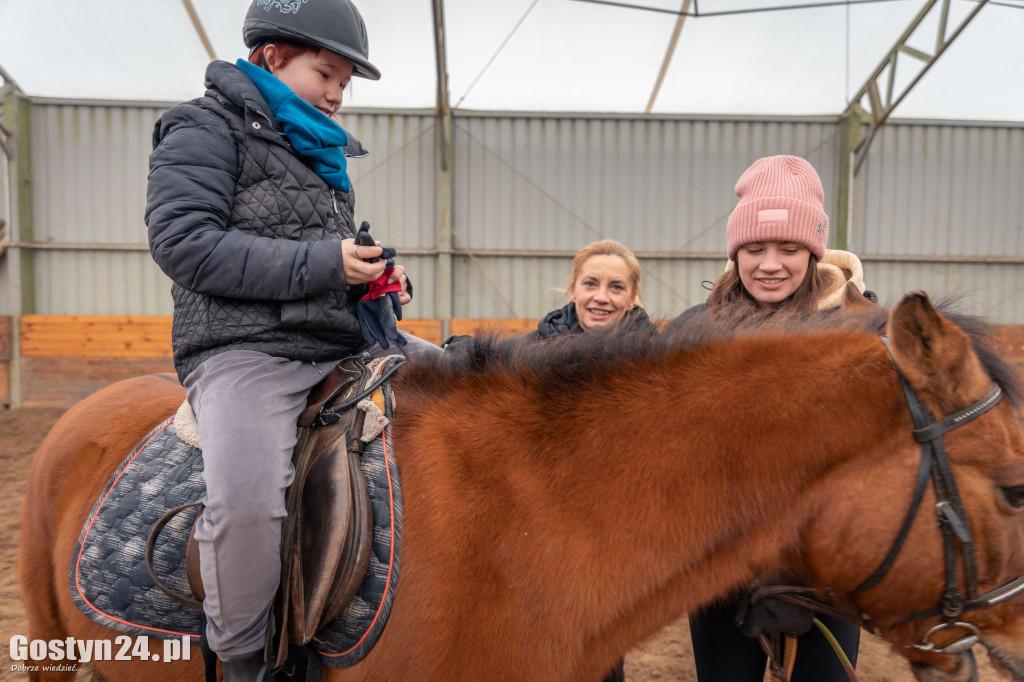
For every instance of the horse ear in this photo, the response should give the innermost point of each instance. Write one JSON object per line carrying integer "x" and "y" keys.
{"x": 935, "y": 355}
{"x": 853, "y": 298}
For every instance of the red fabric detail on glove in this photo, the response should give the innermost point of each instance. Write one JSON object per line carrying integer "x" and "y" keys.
{"x": 380, "y": 286}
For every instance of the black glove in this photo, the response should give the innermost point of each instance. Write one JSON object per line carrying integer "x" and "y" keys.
{"x": 377, "y": 321}
{"x": 380, "y": 309}
{"x": 363, "y": 238}
{"x": 771, "y": 614}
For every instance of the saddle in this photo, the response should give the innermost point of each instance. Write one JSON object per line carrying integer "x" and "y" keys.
{"x": 327, "y": 535}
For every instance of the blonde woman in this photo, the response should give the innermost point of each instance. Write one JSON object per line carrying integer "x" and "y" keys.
{"x": 604, "y": 291}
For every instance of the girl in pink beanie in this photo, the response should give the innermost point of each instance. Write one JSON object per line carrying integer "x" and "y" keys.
{"x": 775, "y": 240}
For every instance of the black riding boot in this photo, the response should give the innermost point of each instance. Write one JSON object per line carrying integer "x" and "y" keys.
{"x": 617, "y": 674}
{"x": 250, "y": 668}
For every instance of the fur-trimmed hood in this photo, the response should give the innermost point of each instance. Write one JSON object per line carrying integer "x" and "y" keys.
{"x": 846, "y": 267}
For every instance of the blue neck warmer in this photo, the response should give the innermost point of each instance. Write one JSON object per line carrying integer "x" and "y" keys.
{"x": 314, "y": 136}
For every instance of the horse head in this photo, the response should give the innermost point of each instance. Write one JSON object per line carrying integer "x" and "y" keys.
{"x": 944, "y": 520}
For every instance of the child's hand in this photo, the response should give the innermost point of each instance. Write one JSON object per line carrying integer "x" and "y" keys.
{"x": 357, "y": 270}
{"x": 381, "y": 308}
{"x": 398, "y": 275}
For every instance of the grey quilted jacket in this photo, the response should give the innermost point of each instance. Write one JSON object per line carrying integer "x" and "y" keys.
{"x": 249, "y": 235}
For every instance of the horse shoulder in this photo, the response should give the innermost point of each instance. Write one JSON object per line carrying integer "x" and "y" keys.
{"x": 68, "y": 471}
{"x": 107, "y": 420}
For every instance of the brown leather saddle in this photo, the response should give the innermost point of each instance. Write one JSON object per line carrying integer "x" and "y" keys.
{"x": 327, "y": 535}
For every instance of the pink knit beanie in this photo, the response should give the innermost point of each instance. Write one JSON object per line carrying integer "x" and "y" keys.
{"x": 781, "y": 199}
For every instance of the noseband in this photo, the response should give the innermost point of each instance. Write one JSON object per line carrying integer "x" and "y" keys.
{"x": 952, "y": 517}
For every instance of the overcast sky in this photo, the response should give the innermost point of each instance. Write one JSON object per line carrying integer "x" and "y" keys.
{"x": 563, "y": 55}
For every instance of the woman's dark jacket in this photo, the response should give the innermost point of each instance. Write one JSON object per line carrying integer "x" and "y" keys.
{"x": 249, "y": 235}
{"x": 695, "y": 310}
{"x": 564, "y": 321}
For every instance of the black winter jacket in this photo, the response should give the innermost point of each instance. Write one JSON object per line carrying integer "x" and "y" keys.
{"x": 564, "y": 321}
{"x": 247, "y": 232}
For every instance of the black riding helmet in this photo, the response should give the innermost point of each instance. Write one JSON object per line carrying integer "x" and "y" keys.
{"x": 334, "y": 25}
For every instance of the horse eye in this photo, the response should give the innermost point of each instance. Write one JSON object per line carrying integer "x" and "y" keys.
{"x": 1014, "y": 496}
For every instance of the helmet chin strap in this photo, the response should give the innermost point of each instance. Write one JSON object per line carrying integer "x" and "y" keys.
{"x": 263, "y": 59}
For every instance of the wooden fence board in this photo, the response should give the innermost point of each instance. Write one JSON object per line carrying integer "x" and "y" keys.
{"x": 505, "y": 326}
{"x": 5, "y": 338}
{"x": 5, "y": 384}
{"x": 128, "y": 336}
{"x": 63, "y": 381}
{"x": 5, "y": 361}
{"x": 66, "y": 358}
{"x": 425, "y": 328}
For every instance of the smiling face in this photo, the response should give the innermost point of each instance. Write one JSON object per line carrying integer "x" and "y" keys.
{"x": 603, "y": 291}
{"x": 319, "y": 78}
{"x": 772, "y": 271}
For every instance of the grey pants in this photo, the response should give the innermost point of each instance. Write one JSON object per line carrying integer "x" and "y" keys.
{"x": 247, "y": 405}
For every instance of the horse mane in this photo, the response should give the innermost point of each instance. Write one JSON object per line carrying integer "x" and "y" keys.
{"x": 986, "y": 346}
{"x": 576, "y": 359}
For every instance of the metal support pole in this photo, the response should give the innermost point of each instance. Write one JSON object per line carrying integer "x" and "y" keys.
{"x": 444, "y": 198}
{"x": 20, "y": 265}
{"x": 197, "y": 24}
{"x": 846, "y": 182}
{"x": 876, "y": 105}
{"x": 668, "y": 55}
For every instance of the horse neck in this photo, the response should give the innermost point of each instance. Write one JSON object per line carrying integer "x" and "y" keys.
{"x": 721, "y": 476}
{"x": 629, "y": 500}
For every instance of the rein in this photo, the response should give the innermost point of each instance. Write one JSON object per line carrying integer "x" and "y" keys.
{"x": 952, "y": 517}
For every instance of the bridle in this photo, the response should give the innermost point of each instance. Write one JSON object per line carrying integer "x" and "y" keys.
{"x": 952, "y": 517}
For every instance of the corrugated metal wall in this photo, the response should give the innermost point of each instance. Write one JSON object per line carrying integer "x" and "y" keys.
{"x": 395, "y": 192}
{"x": 938, "y": 205}
{"x": 89, "y": 166}
{"x": 664, "y": 187}
{"x": 89, "y": 188}
{"x": 941, "y": 208}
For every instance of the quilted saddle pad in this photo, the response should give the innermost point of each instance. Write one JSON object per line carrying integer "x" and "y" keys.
{"x": 108, "y": 577}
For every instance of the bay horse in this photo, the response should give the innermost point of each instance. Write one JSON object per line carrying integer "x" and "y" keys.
{"x": 565, "y": 500}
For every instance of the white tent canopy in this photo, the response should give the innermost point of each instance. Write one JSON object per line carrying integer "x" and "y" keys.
{"x": 774, "y": 57}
